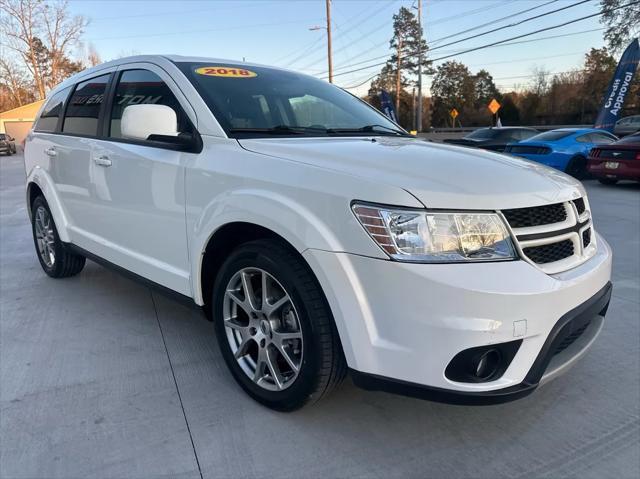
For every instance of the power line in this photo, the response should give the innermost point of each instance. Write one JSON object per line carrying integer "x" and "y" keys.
{"x": 466, "y": 13}
{"x": 492, "y": 22}
{"x": 553, "y": 27}
{"x": 525, "y": 20}
{"x": 480, "y": 34}
{"x": 371, "y": 77}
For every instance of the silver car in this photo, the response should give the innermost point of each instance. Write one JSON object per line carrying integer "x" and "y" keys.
{"x": 627, "y": 125}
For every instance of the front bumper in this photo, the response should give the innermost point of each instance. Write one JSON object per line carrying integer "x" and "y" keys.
{"x": 405, "y": 322}
{"x": 548, "y": 364}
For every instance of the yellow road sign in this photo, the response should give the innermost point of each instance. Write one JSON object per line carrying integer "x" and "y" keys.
{"x": 454, "y": 113}
{"x": 494, "y": 106}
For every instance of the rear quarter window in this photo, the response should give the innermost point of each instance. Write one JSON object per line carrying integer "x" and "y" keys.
{"x": 51, "y": 112}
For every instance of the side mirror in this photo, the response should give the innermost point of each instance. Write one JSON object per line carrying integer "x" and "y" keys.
{"x": 139, "y": 122}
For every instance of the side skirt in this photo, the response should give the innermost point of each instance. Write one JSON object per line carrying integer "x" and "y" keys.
{"x": 167, "y": 292}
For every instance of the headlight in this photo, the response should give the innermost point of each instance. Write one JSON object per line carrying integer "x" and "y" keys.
{"x": 435, "y": 237}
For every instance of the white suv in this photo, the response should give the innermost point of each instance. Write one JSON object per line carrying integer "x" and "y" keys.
{"x": 317, "y": 235}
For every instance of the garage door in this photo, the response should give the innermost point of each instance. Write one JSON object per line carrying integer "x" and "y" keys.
{"x": 18, "y": 130}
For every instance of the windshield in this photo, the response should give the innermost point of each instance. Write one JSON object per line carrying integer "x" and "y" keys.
{"x": 551, "y": 135}
{"x": 258, "y": 102}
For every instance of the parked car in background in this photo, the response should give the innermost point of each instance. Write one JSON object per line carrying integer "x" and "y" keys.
{"x": 494, "y": 139}
{"x": 565, "y": 149}
{"x": 7, "y": 144}
{"x": 617, "y": 161}
{"x": 627, "y": 125}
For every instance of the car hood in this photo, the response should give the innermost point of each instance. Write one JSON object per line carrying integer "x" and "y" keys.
{"x": 440, "y": 176}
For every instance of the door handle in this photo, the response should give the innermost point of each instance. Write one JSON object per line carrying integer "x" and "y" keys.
{"x": 102, "y": 161}
{"x": 51, "y": 152}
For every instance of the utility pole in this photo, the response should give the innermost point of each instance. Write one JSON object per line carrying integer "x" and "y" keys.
{"x": 419, "y": 115}
{"x": 328, "y": 29}
{"x": 329, "y": 55}
{"x": 398, "y": 77}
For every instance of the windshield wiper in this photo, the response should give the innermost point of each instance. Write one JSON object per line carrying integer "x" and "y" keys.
{"x": 281, "y": 130}
{"x": 368, "y": 129}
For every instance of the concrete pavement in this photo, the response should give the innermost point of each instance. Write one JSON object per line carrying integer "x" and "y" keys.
{"x": 100, "y": 377}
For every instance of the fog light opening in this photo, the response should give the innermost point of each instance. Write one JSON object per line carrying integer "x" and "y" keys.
{"x": 486, "y": 364}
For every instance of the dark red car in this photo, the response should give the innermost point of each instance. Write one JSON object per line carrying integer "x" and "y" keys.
{"x": 616, "y": 161}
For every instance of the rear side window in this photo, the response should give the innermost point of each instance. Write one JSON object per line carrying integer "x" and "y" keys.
{"x": 552, "y": 135}
{"x": 138, "y": 87}
{"x": 600, "y": 138}
{"x": 81, "y": 117}
{"x": 52, "y": 111}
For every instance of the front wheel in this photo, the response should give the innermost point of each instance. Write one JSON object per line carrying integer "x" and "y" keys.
{"x": 275, "y": 328}
{"x": 55, "y": 258}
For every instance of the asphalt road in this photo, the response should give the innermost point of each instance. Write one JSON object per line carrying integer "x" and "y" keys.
{"x": 100, "y": 377}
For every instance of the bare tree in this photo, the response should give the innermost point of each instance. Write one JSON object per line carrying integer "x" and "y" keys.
{"x": 15, "y": 82}
{"x": 540, "y": 80}
{"x": 63, "y": 31}
{"x": 41, "y": 34}
{"x": 93, "y": 57}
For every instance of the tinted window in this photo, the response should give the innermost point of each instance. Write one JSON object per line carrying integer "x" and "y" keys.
{"x": 481, "y": 134}
{"x": 551, "y": 135}
{"x": 138, "y": 87}
{"x": 243, "y": 97}
{"x": 81, "y": 117}
{"x": 524, "y": 134}
{"x": 51, "y": 111}
{"x": 584, "y": 139}
{"x": 631, "y": 139}
{"x": 601, "y": 138}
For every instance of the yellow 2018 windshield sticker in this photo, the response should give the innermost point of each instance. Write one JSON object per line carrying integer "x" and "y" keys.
{"x": 229, "y": 72}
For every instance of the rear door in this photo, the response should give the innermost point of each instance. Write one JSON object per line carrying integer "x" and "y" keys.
{"x": 71, "y": 149}
{"x": 137, "y": 192}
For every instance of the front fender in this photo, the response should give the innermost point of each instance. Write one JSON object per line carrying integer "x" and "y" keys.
{"x": 38, "y": 176}
{"x": 298, "y": 225}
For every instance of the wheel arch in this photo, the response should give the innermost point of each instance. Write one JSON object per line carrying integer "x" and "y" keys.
{"x": 40, "y": 184}
{"x": 218, "y": 247}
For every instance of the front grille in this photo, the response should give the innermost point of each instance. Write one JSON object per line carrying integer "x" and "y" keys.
{"x": 536, "y": 216}
{"x": 571, "y": 338}
{"x": 580, "y": 206}
{"x": 549, "y": 253}
{"x": 586, "y": 237}
{"x": 528, "y": 150}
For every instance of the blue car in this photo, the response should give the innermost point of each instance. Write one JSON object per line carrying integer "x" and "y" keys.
{"x": 565, "y": 149}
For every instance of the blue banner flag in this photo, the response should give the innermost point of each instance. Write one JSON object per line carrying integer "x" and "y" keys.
{"x": 620, "y": 84}
{"x": 386, "y": 104}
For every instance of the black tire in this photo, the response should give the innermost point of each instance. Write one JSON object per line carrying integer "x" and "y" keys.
{"x": 577, "y": 167}
{"x": 323, "y": 365}
{"x": 66, "y": 263}
{"x": 607, "y": 181}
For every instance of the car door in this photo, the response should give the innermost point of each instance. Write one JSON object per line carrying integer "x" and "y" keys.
{"x": 137, "y": 186}
{"x": 70, "y": 151}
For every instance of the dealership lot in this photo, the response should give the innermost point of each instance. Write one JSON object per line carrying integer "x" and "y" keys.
{"x": 100, "y": 377}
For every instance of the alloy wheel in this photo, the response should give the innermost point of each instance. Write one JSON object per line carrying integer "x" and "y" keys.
{"x": 263, "y": 329}
{"x": 45, "y": 237}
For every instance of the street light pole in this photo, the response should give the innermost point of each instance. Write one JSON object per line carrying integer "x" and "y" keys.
{"x": 419, "y": 113}
{"x": 329, "y": 55}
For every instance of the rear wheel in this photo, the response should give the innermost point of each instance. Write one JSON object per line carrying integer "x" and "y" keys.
{"x": 607, "y": 181}
{"x": 577, "y": 167}
{"x": 274, "y": 327}
{"x": 55, "y": 258}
